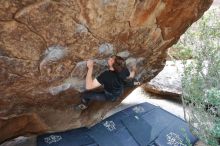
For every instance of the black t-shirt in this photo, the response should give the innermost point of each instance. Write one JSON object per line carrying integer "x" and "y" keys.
{"x": 112, "y": 81}
{"x": 124, "y": 74}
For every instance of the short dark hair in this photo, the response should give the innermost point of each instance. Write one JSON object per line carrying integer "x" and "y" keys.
{"x": 119, "y": 63}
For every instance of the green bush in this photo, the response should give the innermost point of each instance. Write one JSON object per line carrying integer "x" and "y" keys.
{"x": 181, "y": 52}
{"x": 201, "y": 79}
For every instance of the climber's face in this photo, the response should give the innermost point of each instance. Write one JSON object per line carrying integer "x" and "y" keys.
{"x": 111, "y": 61}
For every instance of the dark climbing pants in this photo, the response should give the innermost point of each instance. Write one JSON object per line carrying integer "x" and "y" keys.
{"x": 92, "y": 95}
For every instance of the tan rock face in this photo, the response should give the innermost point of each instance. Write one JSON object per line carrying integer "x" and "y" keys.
{"x": 168, "y": 82}
{"x": 44, "y": 45}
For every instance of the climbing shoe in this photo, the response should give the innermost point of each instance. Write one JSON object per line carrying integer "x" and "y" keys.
{"x": 81, "y": 107}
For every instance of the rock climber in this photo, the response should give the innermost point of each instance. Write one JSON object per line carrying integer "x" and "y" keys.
{"x": 113, "y": 80}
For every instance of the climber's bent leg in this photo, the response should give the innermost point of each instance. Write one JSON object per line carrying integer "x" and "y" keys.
{"x": 94, "y": 95}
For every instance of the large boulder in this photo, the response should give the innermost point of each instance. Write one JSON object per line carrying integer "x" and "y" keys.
{"x": 168, "y": 82}
{"x": 44, "y": 45}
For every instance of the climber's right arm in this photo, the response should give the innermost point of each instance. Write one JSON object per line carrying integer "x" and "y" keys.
{"x": 91, "y": 83}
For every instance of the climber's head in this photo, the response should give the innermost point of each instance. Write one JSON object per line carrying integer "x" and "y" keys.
{"x": 116, "y": 63}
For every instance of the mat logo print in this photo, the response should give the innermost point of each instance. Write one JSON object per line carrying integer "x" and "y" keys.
{"x": 52, "y": 139}
{"x": 174, "y": 139}
{"x": 110, "y": 125}
{"x": 138, "y": 109}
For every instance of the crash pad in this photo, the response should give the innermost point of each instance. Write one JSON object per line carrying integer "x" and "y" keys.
{"x": 139, "y": 125}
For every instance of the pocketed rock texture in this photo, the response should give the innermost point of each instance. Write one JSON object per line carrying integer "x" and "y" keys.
{"x": 44, "y": 45}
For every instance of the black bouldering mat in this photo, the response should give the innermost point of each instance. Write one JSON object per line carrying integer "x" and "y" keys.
{"x": 158, "y": 120}
{"x": 111, "y": 132}
{"x": 76, "y": 137}
{"x": 103, "y": 136}
{"x": 139, "y": 129}
{"x": 176, "y": 134}
{"x": 139, "y": 125}
{"x": 139, "y": 109}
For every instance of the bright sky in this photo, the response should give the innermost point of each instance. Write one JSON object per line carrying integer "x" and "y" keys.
{"x": 216, "y": 2}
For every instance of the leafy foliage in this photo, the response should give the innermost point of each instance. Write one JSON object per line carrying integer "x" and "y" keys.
{"x": 201, "y": 79}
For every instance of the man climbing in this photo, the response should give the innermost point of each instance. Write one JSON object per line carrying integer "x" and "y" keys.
{"x": 112, "y": 80}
